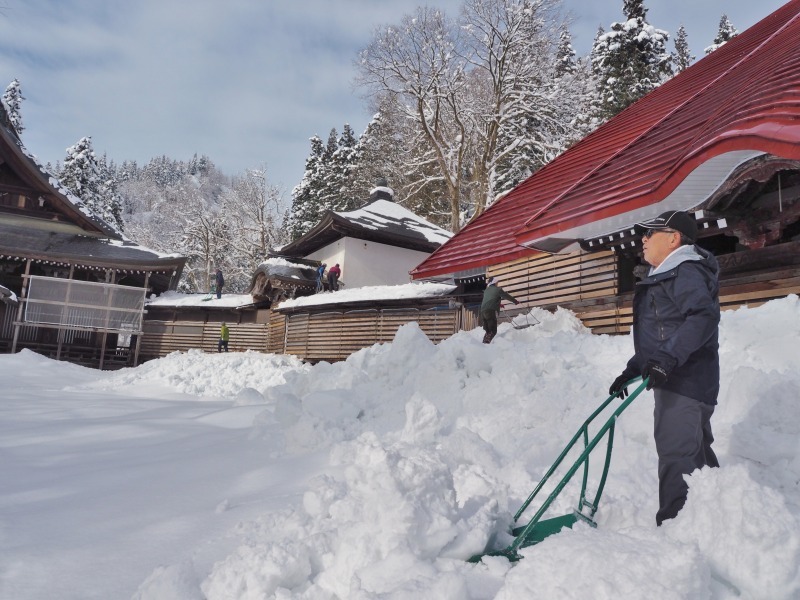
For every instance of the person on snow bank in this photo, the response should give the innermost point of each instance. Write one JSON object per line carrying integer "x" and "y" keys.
{"x": 334, "y": 273}
{"x": 321, "y": 278}
{"x": 220, "y": 282}
{"x": 676, "y": 344}
{"x": 490, "y": 307}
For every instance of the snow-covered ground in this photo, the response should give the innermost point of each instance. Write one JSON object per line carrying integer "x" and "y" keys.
{"x": 223, "y": 476}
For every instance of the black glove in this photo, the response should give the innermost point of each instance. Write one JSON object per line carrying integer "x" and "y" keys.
{"x": 618, "y": 388}
{"x": 656, "y": 373}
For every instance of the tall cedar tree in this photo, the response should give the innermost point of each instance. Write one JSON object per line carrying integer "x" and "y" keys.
{"x": 306, "y": 206}
{"x": 629, "y": 61}
{"x": 683, "y": 56}
{"x": 725, "y": 33}
{"x": 82, "y": 175}
{"x": 13, "y": 99}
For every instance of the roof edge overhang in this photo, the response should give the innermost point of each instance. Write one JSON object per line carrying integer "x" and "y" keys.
{"x": 687, "y": 186}
{"x": 48, "y": 225}
{"x": 452, "y": 270}
{"x": 153, "y": 265}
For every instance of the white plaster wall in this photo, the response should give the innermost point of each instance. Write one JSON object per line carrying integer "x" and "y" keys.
{"x": 366, "y": 263}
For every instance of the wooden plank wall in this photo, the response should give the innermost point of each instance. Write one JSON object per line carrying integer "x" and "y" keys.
{"x": 545, "y": 280}
{"x": 327, "y": 336}
{"x": 335, "y": 335}
{"x": 162, "y": 337}
{"x": 587, "y": 283}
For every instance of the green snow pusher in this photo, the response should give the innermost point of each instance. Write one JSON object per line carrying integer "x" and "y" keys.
{"x": 537, "y": 529}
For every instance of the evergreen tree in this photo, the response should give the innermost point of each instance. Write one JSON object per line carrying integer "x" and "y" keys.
{"x": 629, "y": 61}
{"x": 345, "y": 195}
{"x": 13, "y": 99}
{"x": 108, "y": 190}
{"x": 725, "y": 33}
{"x": 81, "y": 175}
{"x": 565, "y": 55}
{"x": 306, "y": 204}
{"x": 682, "y": 57}
{"x": 373, "y": 155}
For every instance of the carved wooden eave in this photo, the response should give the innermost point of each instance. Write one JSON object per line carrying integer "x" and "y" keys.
{"x": 756, "y": 216}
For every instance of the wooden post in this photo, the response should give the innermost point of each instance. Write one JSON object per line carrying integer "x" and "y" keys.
{"x": 141, "y": 323}
{"x": 22, "y": 301}
{"x": 66, "y": 304}
{"x": 104, "y": 337}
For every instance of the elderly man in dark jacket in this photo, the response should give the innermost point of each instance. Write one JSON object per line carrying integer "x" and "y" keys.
{"x": 490, "y": 306}
{"x": 676, "y": 344}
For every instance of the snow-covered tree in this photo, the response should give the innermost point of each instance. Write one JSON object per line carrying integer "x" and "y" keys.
{"x": 725, "y": 33}
{"x": 306, "y": 206}
{"x": 629, "y": 61}
{"x": 388, "y": 149}
{"x": 82, "y": 175}
{"x": 203, "y": 240}
{"x": 555, "y": 113}
{"x": 457, "y": 83}
{"x": 418, "y": 62}
{"x": 565, "y": 54}
{"x": 682, "y": 57}
{"x": 345, "y": 195}
{"x": 13, "y": 100}
{"x": 108, "y": 190}
{"x": 513, "y": 47}
{"x": 254, "y": 212}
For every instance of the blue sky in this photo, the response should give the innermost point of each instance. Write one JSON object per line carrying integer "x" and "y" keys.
{"x": 246, "y": 82}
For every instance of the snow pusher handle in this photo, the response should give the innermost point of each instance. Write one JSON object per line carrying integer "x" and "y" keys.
{"x": 530, "y": 534}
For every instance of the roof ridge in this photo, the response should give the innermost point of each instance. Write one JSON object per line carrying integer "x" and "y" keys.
{"x": 646, "y": 131}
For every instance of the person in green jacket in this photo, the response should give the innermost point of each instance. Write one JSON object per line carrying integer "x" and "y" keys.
{"x": 490, "y": 307}
{"x": 224, "y": 336}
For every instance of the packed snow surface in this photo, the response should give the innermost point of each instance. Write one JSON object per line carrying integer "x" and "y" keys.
{"x": 245, "y": 475}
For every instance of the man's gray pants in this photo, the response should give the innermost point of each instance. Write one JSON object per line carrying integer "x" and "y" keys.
{"x": 683, "y": 441}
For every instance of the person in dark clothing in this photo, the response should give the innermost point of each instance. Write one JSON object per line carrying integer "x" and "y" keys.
{"x": 333, "y": 277}
{"x": 490, "y": 307}
{"x": 220, "y": 281}
{"x": 320, "y": 278}
{"x": 676, "y": 345}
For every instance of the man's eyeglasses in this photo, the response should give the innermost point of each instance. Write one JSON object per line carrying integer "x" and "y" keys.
{"x": 649, "y": 233}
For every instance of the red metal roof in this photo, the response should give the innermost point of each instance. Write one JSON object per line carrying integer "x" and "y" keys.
{"x": 743, "y": 96}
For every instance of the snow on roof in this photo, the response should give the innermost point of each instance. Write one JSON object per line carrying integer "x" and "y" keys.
{"x": 201, "y": 300}
{"x": 282, "y": 268}
{"x": 375, "y": 292}
{"x": 383, "y": 214}
{"x": 277, "y": 261}
{"x": 7, "y": 296}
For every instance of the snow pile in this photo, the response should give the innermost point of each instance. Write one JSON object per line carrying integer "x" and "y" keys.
{"x": 378, "y": 476}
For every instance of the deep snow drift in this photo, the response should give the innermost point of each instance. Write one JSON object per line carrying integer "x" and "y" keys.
{"x": 256, "y": 476}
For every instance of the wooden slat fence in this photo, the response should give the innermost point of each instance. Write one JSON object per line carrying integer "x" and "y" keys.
{"x": 337, "y": 334}
{"x": 327, "y": 336}
{"x": 544, "y": 280}
{"x": 587, "y": 283}
{"x": 162, "y": 337}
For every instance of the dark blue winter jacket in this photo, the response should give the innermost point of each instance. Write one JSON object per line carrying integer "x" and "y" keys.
{"x": 676, "y": 323}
